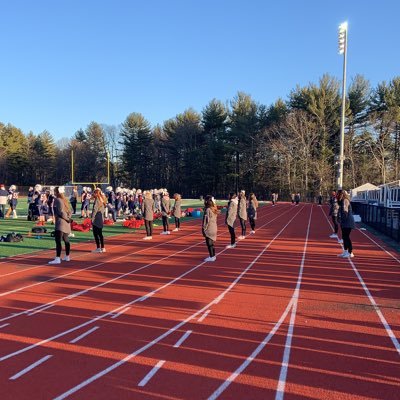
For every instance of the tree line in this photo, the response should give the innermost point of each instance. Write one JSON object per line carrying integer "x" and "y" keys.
{"x": 289, "y": 146}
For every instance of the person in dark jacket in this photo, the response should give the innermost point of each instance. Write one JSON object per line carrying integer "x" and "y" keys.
{"x": 346, "y": 221}
{"x": 333, "y": 213}
{"x": 74, "y": 199}
{"x": 230, "y": 218}
{"x": 148, "y": 215}
{"x": 99, "y": 206}
{"x": 165, "y": 211}
{"x": 252, "y": 212}
{"x": 62, "y": 214}
{"x": 242, "y": 213}
{"x": 177, "y": 211}
{"x": 3, "y": 200}
{"x": 209, "y": 226}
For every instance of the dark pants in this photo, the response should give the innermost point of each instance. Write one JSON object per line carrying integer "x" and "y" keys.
{"x": 210, "y": 246}
{"x": 243, "y": 226}
{"x": 232, "y": 232}
{"x": 58, "y": 235}
{"x": 98, "y": 237}
{"x": 346, "y": 239}
{"x": 252, "y": 223}
{"x": 73, "y": 205}
{"x": 177, "y": 222}
{"x": 2, "y": 210}
{"x": 165, "y": 223}
{"x": 149, "y": 227}
{"x": 111, "y": 210}
{"x": 335, "y": 223}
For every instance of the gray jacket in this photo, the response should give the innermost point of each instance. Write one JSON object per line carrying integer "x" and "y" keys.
{"x": 63, "y": 216}
{"x": 252, "y": 210}
{"x": 165, "y": 206}
{"x": 345, "y": 215}
{"x": 148, "y": 209}
{"x": 242, "y": 209}
{"x": 98, "y": 214}
{"x": 177, "y": 212}
{"x": 209, "y": 227}
{"x": 231, "y": 213}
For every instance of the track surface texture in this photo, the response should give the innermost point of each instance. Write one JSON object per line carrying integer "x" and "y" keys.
{"x": 279, "y": 316}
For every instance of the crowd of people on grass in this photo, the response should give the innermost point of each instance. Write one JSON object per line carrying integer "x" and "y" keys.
{"x": 53, "y": 205}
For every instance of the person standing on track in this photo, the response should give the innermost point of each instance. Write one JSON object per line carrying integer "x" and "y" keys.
{"x": 3, "y": 200}
{"x": 230, "y": 218}
{"x": 165, "y": 211}
{"x": 177, "y": 211}
{"x": 147, "y": 208}
{"x": 333, "y": 212}
{"x": 62, "y": 214}
{"x": 346, "y": 221}
{"x": 297, "y": 198}
{"x": 252, "y": 212}
{"x": 99, "y": 206}
{"x": 209, "y": 226}
{"x": 12, "y": 201}
{"x": 242, "y": 213}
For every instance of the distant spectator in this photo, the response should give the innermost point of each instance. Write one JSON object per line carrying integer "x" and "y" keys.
{"x": 3, "y": 200}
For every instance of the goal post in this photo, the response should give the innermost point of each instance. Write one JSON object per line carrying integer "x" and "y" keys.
{"x": 73, "y": 182}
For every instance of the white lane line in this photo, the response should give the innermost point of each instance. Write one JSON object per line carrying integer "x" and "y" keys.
{"x": 171, "y": 330}
{"x": 120, "y": 313}
{"x": 280, "y": 391}
{"x": 204, "y": 316}
{"x": 40, "y": 309}
{"x": 182, "y": 339}
{"x": 84, "y": 335}
{"x": 151, "y": 373}
{"x": 270, "y": 335}
{"x": 385, "y": 324}
{"x": 31, "y": 367}
{"x": 4, "y": 325}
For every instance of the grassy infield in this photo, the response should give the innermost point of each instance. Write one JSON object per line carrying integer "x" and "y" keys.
{"x": 45, "y": 241}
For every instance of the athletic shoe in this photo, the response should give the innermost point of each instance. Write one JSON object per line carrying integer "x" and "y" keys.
{"x": 168, "y": 233}
{"x": 71, "y": 234}
{"x": 176, "y": 230}
{"x": 164, "y": 233}
{"x": 241, "y": 237}
{"x": 98, "y": 250}
{"x": 344, "y": 254}
{"x": 210, "y": 259}
{"x": 351, "y": 255}
{"x": 231, "y": 246}
{"x": 253, "y": 232}
{"x": 340, "y": 241}
{"x": 103, "y": 250}
{"x": 67, "y": 258}
{"x": 148, "y": 238}
{"x": 333, "y": 236}
{"x": 57, "y": 260}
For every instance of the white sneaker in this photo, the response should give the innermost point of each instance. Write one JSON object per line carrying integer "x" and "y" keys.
{"x": 71, "y": 235}
{"x": 98, "y": 250}
{"x": 253, "y": 232}
{"x": 340, "y": 241}
{"x": 148, "y": 238}
{"x": 66, "y": 258}
{"x": 241, "y": 237}
{"x": 176, "y": 230}
{"x": 231, "y": 246}
{"x": 333, "y": 236}
{"x": 163, "y": 233}
{"x": 57, "y": 260}
{"x": 103, "y": 250}
{"x": 344, "y": 254}
{"x": 210, "y": 259}
{"x": 351, "y": 255}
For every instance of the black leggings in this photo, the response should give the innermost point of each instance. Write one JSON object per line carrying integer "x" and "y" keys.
{"x": 177, "y": 222}
{"x": 232, "y": 232}
{"x": 165, "y": 223}
{"x": 210, "y": 246}
{"x": 58, "y": 235}
{"x": 335, "y": 223}
{"x": 346, "y": 239}
{"x": 243, "y": 225}
{"x": 98, "y": 237}
{"x": 149, "y": 227}
{"x": 252, "y": 223}
{"x": 73, "y": 205}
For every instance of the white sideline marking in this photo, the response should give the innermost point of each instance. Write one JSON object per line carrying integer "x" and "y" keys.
{"x": 32, "y": 366}
{"x": 204, "y": 316}
{"x": 84, "y": 335}
{"x": 167, "y": 333}
{"x": 120, "y": 313}
{"x": 151, "y": 373}
{"x": 4, "y": 325}
{"x": 38, "y": 310}
{"x": 182, "y": 339}
{"x": 295, "y": 299}
{"x": 385, "y": 324}
{"x": 386, "y": 251}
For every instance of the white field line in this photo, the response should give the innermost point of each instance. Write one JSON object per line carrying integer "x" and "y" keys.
{"x": 39, "y": 308}
{"x": 4, "y": 325}
{"x": 202, "y": 318}
{"x": 270, "y": 335}
{"x": 167, "y": 333}
{"x": 182, "y": 339}
{"x": 385, "y": 324}
{"x": 84, "y": 334}
{"x": 120, "y": 313}
{"x": 288, "y": 345}
{"x": 112, "y": 312}
{"x": 151, "y": 373}
{"x": 30, "y": 367}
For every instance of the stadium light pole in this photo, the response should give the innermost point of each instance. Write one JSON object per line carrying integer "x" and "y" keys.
{"x": 342, "y": 50}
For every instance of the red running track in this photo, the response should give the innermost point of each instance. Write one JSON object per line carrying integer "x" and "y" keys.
{"x": 279, "y": 316}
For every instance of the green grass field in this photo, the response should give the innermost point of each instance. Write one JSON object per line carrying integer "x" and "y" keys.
{"x": 37, "y": 242}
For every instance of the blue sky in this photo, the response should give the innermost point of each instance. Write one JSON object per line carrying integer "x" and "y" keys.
{"x": 67, "y": 63}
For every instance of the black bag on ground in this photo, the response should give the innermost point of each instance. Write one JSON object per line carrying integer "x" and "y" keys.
{"x": 12, "y": 238}
{"x": 39, "y": 229}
